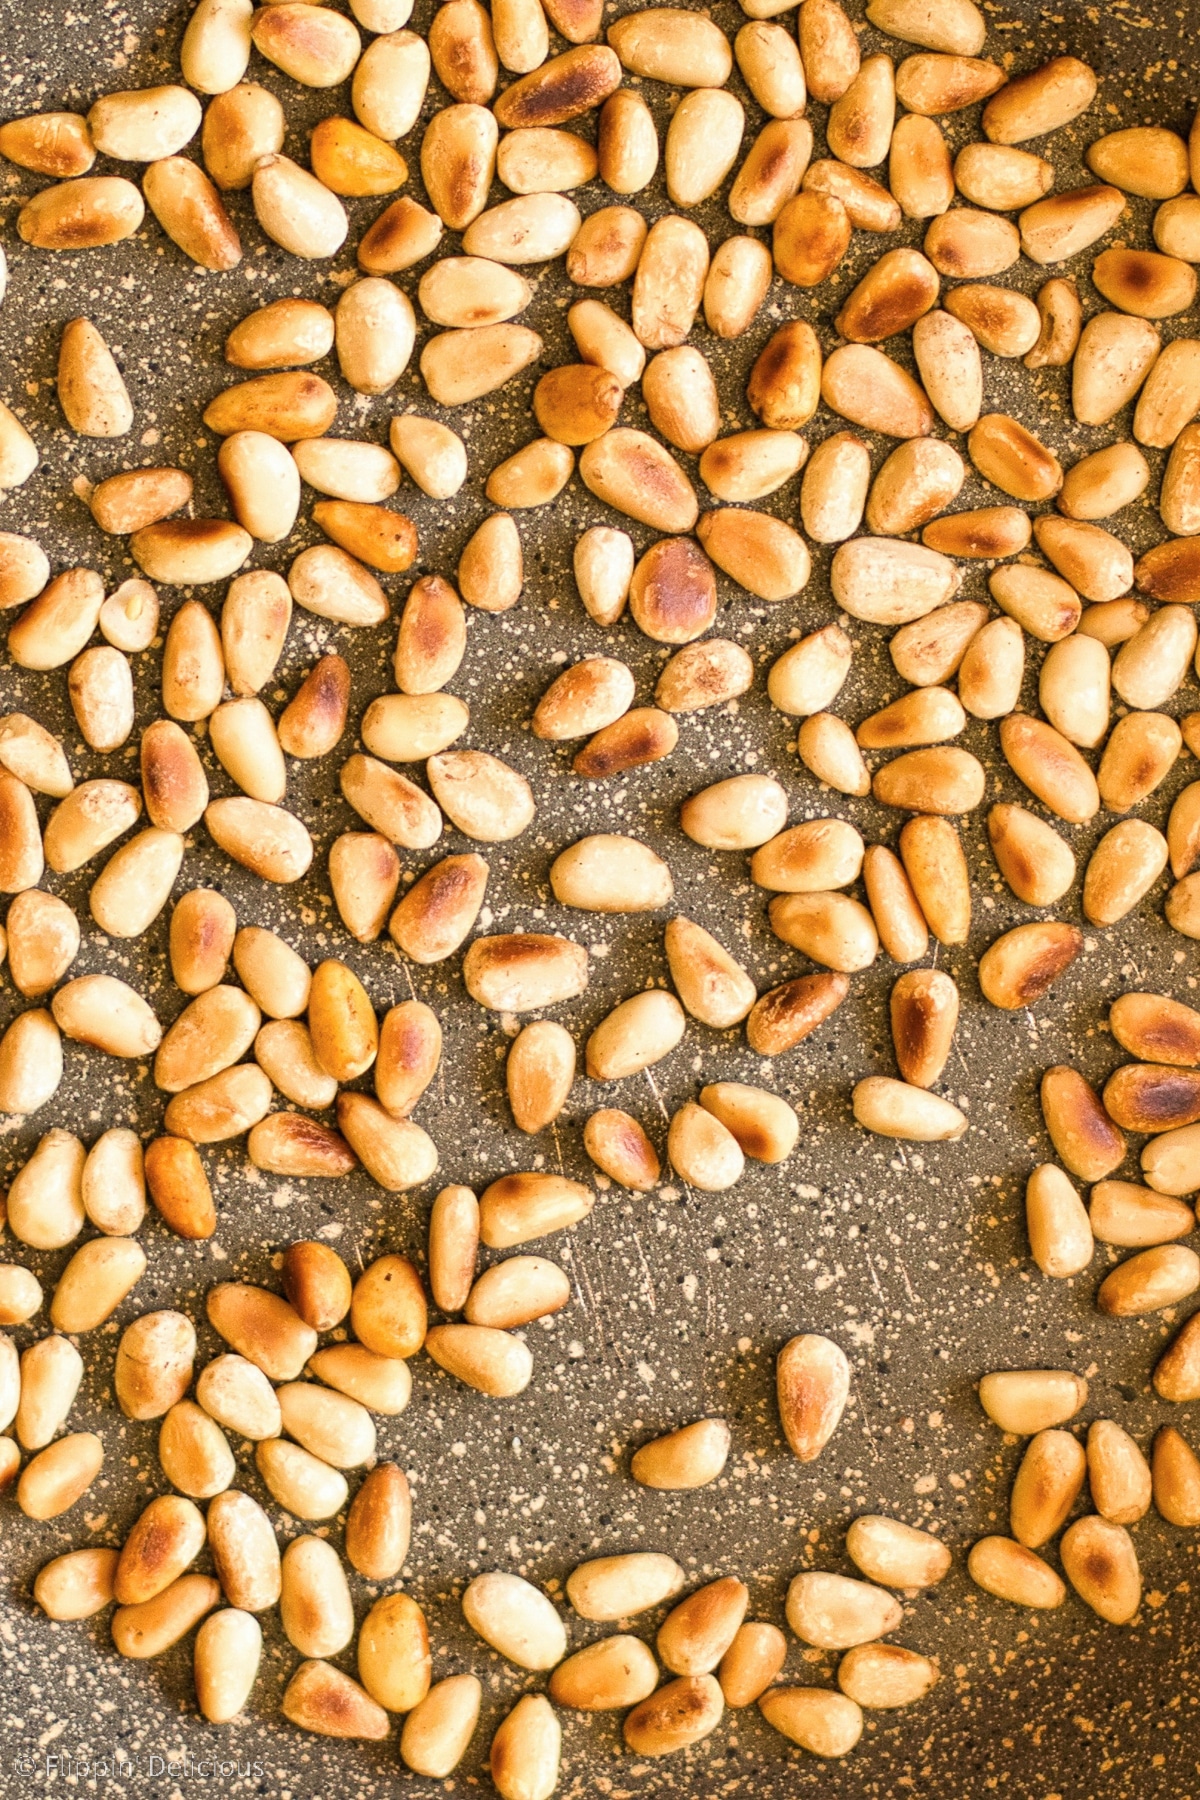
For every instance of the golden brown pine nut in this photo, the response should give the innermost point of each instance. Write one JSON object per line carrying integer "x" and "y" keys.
{"x": 538, "y": 1073}
{"x": 1082, "y": 1132}
{"x": 1060, "y": 1237}
{"x": 1010, "y": 1572}
{"x": 453, "y": 1247}
{"x": 320, "y": 1698}
{"x": 620, "y": 1148}
{"x": 1019, "y": 967}
{"x": 1026, "y": 1401}
{"x": 153, "y": 1368}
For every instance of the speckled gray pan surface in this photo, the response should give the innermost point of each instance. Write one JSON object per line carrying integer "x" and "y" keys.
{"x": 915, "y": 1262}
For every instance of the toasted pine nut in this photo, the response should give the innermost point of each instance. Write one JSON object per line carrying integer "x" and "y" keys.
{"x": 1136, "y": 1217}
{"x": 827, "y": 746}
{"x": 213, "y": 58}
{"x": 153, "y": 1368}
{"x": 350, "y": 160}
{"x": 1073, "y": 688}
{"x": 523, "y": 972}
{"x": 1019, "y": 967}
{"x": 1114, "y": 356}
{"x": 1118, "y": 1473}
{"x": 619, "y": 1147}
{"x": 437, "y": 913}
{"x": 328, "y": 1424}
{"x": 696, "y": 1633}
{"x": 1026, "y": 1401}
{"x": 254, "y": 622}
{"x": 241, "y": 1399}
{"x": 194, "y": 1453}
{"x": 266, "y": 839}
{"x": 191, "y": 551}
{"x": 1060, "y": 1237}
{"x": 896, "y": 1555}
{"x": 927, "y": 716}
{"x": 284, "y": 1049}
{"x": 706, "y": 674}
{"x": 924, "y": 1012}
{"x": 788, "y": 1014}
{"x": 50, "y": 1373}
{"x": 20, "y": 1294}
{"x": 49, "y": 143}
{"x": 1176, "y": 1375}
{"x": 312, "y": 722}
{"x": 295, "y": 210}
{"x": 100, "y": 1275}
{"x": 326, "y": 581}
{"x": 263, "y": 484}
{"x": 79, "y": 1584}
{"x": 364, "y": 873}
{"x": 898, "y": 1109}
{"x": 901, "y": 924}
{"x": 835, "y": 1612}
{"x": 91, "y": 390}
{"x": 636, "y": 1034}
{"x": 1047, "y": 1485}
{"x": 1149, "y": 1281}
{"x": 320, "y": 1698}
{"x": 316, "y": 48}
{"x": 738, "y": 814}
{"x": 211, "y": 1034}
{"x": 812, "y": 1382}
{"x": 519, "y": 1208}
{"x": 60, "y": 1475}
{"x": 1101, "y": 1565}
{"x": 942, "y": 780}
{"x": 771, "y": 174}
{"x": 1152, "y": 664}
{"x": 687, "y": 1458}
{"x": 1175, "y": 1475}
{"x": 226, "y": 1658}
{"x": 437, "y": 1731}
{"x": 1123, "y": 868}
{"x": 535, "y": 476}
{"x": 620, "y": 1587}
{"x": 1049, "y": 767}
{"x": 539, "y": 1073}
{"x": 1082, "y": 1132}
{"x": 240, "y": 127}
{"x": 490, "y": 1361}
{"x": 992, "y": 670}
{"x": 765, "y": 1126}
{"x": 704, "y": 1151}
{"x": 1010, "y": 1572}
{"x": 304, "y": 1485}
{"x": 166, "y": 1537}
{"x": 82, "y": 214}
{"x": 608, "y": 873}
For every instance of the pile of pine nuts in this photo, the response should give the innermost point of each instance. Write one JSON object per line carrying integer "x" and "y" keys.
{"x": 311, "y": 1034}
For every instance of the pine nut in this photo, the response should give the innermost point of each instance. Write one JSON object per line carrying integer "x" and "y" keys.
{"x": 1026, "y": 1401}
{"x": 261, "y": 1327}
{"x": 50, "y": 1373}
{"x": 58, "y": 1476}
{"x": 45, "y": 1201}
{"x": 539, "y": 1073}
{"x": 320, "y": 1698}
{"x": 244, "y": 1551}
{"x": 898, "y": 1109}
{"x": 301, "y": 1483}
{"x": 268, "y": 840}
{"x": 1101, "y": 1565}
{"x": 772, "y": 172}
{"x": 153, "y": 1369}
{"x": 49, "y": 143}
{"x": 835, "y": 1612}
{"x": 194, "y": 1453}
{"x": 379, "y": 1523}
{"x": 1135, "y": 1217}
{"x": 315, "y": 1608}
{"x": 619, "y": 1587}
{"x": 1061, "y": 316}
{"x": 491, "y": 1361}
{"x": 167, "y": 1536}
{"x": 1022, "y": 965}
{"x": 82, "y": 215}
{"x": 238, "y": 1395}
{"x": 222, "y": 1107}
{"x": 226, "y": 1658}
{"x": 992, "y": 670}
{"x": 690, "y": 1457}
{"x": 437, "y": 1731}
{"x": 1010, "y": 1572}
{"x": 927, "y": 716}
{"x": 681, "y": 1713}
{"x": 635, "y": 1035}
{"x": 885, "y": 1675}
{"x": 99, "y": 1276}
{"x": 1176, "y": 1478}
{"x": 1050, "y": 767}
{"x": 620, "y": 1148}
{"x": 765, "y": 1126}
{"x": 77, "y": 1585}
